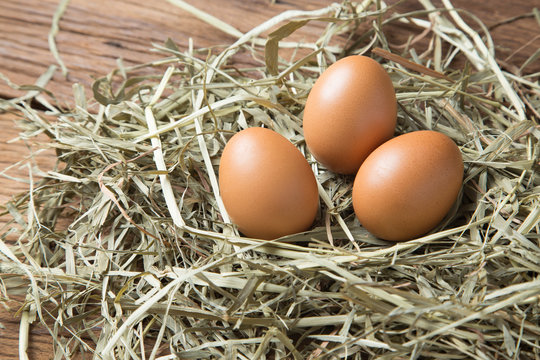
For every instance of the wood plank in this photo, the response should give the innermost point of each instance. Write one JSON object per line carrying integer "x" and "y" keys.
{"x": 518, "y": 39}
{"x": 95, "y": 33}
{"x": 40, "y": 346}
{"x": 91, "y": 40}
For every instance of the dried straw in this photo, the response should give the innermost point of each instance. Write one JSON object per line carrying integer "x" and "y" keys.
{"x": 124, "y": 249}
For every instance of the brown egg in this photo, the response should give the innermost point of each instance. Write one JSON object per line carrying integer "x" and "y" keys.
{"x": 407, "y": 185}
{"x": 266, "y": 184}
{"x": 350, "y": 111}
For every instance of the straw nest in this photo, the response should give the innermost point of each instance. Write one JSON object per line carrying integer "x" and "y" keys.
{"x": 124, "y": 249}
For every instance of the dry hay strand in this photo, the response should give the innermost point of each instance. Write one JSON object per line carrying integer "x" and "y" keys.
{"x": 150, "y": 267}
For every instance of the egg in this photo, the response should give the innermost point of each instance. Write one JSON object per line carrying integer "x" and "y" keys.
{"x": 350, "y": 110}
{"x": 407, "y": 185}
{"x": 267, "y": 186}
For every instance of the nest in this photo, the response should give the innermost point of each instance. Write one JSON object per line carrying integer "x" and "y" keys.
{"x": 124, "y": 249}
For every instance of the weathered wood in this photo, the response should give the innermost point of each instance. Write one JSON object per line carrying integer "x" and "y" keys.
{"x": 93, "y": 34}
{"x": 40, "y": 346}
{"x": 11, "y": 153}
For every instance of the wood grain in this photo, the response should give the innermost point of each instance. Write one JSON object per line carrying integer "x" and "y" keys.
{"x": 11, "y": 152}
{"x": 94, "y": 34}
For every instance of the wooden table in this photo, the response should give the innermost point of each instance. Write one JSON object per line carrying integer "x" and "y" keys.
{"x": 94, "y": 34}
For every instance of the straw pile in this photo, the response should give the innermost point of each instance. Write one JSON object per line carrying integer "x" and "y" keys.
{"x": 124, "y": 249}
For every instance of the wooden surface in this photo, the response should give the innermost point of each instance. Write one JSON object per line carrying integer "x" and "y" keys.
{"x": 94, "y": 34}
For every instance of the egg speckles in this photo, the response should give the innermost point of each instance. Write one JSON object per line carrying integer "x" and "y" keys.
{"x": 267, "y": 186}
{"x": 407, "y": 185}
{"x": 350, "y": 111}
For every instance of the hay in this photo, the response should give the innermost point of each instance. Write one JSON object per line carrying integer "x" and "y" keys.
{"x": 148, "y": 265}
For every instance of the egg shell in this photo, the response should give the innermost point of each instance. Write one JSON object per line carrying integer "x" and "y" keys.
{"x": 350, "y": 110}
{"x": 267, "y": 186}
{"x": 407, "y": 185}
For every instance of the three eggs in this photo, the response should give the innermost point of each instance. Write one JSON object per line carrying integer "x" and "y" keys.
{"x": 404, "y": 186}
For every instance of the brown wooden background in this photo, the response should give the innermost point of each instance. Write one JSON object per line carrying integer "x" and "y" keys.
{"x": 93, "y": 34}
